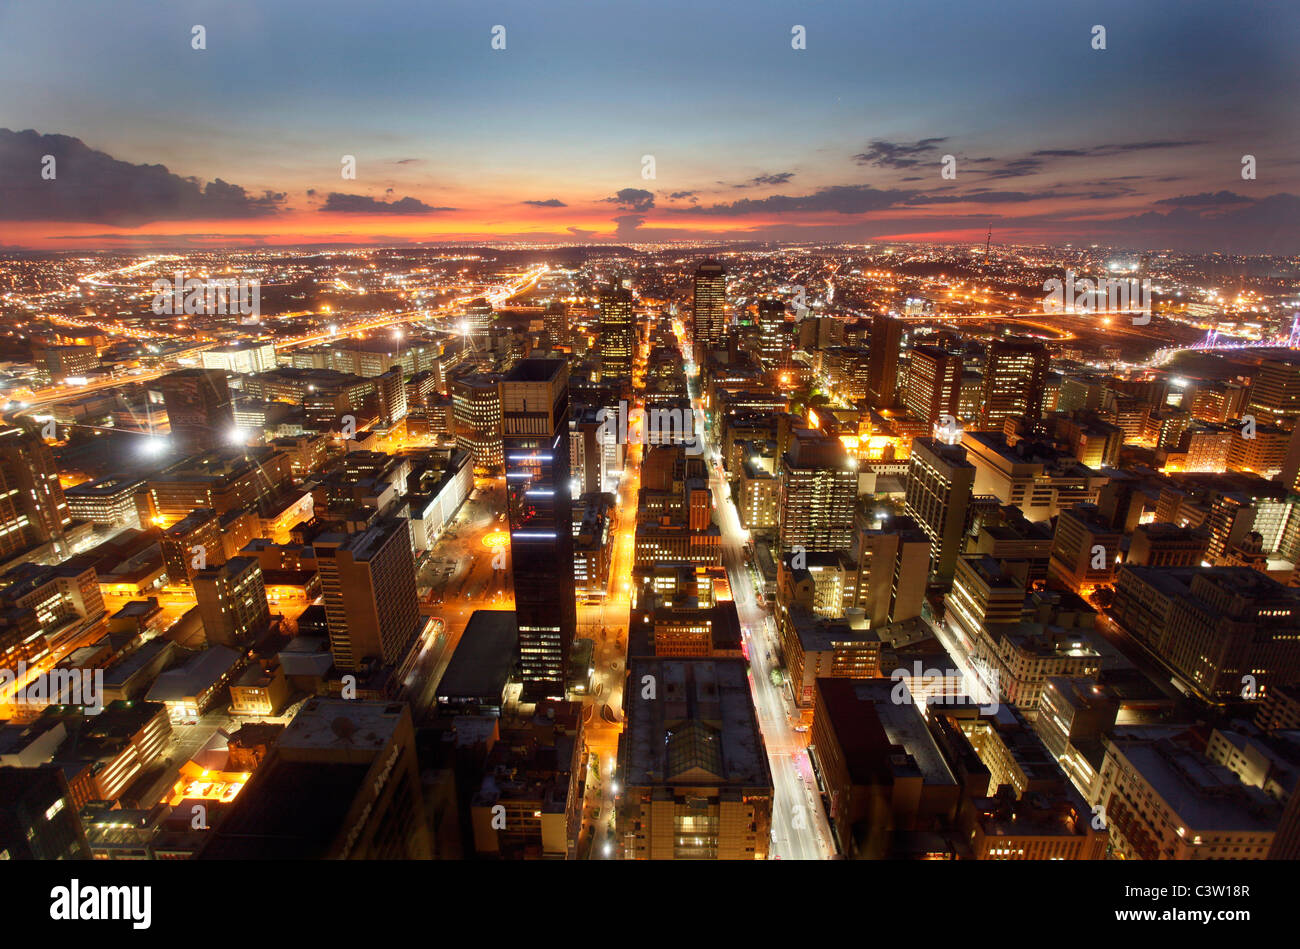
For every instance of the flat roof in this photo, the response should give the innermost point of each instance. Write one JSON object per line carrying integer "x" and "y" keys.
{"x": 700, "y": 729}
{"x": 291, "y": 809}
{"x": 343, "y": 723}
{"x": 481, "y": 664}
{"x": 872, "y": 729}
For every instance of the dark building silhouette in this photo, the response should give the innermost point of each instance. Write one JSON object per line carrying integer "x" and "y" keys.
{"x": 535, "y": 437}
{"x": 38, "y": 820}
{"x": 199, "y": 408}
{"x": 882, "y": 361}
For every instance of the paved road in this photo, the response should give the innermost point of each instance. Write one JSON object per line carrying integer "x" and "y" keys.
{"x": 800, "y": 830}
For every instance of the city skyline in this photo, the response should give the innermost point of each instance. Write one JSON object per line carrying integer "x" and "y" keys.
{"x": 572, "y": 434}
{"x": 1140, "y": 144}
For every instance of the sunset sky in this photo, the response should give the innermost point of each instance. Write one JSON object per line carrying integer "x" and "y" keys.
{"x": 161, "y": 145}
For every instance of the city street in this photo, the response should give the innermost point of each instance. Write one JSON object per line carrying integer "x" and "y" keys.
{"x": 799, "y": 827}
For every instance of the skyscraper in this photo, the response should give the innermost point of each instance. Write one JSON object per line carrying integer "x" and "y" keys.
{"x": 617, "y": 333}
{"x": 476, "y": 408}
{"x": 893, "y": 567}
{"x": 938, "y": 495}
{"x": 710, "y": 304}
{"x": 232, "y": 602}
{"x": 33, "y": 510}
{"x": 882, "y": 364}
{"x": 535, "y": 435}
{"x": 1015, "y": 373}
{"x": 775, "y": 341}
{"x": 818, "y": 492}
{"x": 1275, "y": 392}
{"x": 199, "y": 408}
{"x": 933, "y": 383}
{"x": 370, "y": 600}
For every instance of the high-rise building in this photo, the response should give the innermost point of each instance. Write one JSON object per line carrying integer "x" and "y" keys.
{"x": 535, "y": 434}
{"x": 775, "y": 341}
{"x": 893, "y": 568}
{"x": 1275, "y": 393}
{"x": 933, "y": 383}
{"x": 617, "y": 333}
{"x": 478, "y": 317}
{"x": 819, "y": 489}
{"x": 556, "y": 321}
{"x": 33, "y": 511}
{"x": 1015, "y": 374}
{"x": 1085, "y": 550}
{"x": 199, "y": 408}
{"x": 1221, "y": 630}
{"x": 882, "y": 366}
{"x": 476, "y": 408}
{"x": 38, "y": 820}
{"x": 368, "y": 580}
{"x": 869, "y": 746}
{"x": 232, "y": 602}
{"x": 710, "y": 312}
{"x": 938, "y": 496}
{"x": 391, "y": 390}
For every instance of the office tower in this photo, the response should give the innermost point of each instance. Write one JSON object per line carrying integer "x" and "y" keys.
{"x": 368, "y": 580}
{"x": 1073, "y": 714}
{"x": 1085, "y": 550}
{"x": 1275, "y": 392}
{"x": 820, "y": 332}
{"x": 556, "y": 321}
{"x": 33, "y": 511}
{"x": 68, "y": 362}
{"x": 693, "y": 765}
{"x": 1015, "y": 373}
{"x": 933, "y": 387}
{"x": 232, "y": 602}
{"x": 775, "y": 341}
{"x": 617, "y": 333}
{"x": 391, "y": 389}
{"x": 1213, "y": 626}
{"x": 893, "y": 569}
{"x": 709, "y": 313}
{"x": 199, "y": 409}
{"x": 535, "y": 433}
{"x": 342, "y": 783}
{"x": 476, "y": 410}
{"x": 478, "y": 317}
{"x": 192, "y": 544}
{"x": 109, "y": 501}
{"x": 983, "y": 595}
{"x": 818, "y": 492}
{"x": 938, "y": 496}
{"x": 882, "y": 367}
{"x": 38, "y": 820}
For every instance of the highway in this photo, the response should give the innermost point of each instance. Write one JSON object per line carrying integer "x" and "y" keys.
{"x": 56, "y": 394}
{"x": 800, "y": 830}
